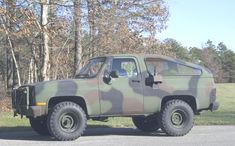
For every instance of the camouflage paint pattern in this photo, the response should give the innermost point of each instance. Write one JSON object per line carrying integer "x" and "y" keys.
{"x": 121, "y": 96}
{"x": 130, "y": 96}
{"x": 83, "y": 88}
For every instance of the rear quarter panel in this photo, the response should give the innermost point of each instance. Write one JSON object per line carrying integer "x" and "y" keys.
{"x": 201, "y": 87}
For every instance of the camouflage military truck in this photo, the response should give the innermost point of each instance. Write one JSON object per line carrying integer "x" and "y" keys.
{"x": 156, "y": 91}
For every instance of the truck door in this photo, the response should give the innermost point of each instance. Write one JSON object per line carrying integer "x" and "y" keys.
{"x": 123, "y": 94}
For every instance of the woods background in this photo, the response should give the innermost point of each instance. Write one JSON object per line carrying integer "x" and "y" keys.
{"x": 51, "y": 39}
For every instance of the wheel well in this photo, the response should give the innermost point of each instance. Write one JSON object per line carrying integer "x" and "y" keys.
{"x": 186, "y": 98}
{"x": 76, "y": 99}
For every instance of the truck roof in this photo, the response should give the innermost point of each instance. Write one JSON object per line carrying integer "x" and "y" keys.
{"x": 157, "y": 56}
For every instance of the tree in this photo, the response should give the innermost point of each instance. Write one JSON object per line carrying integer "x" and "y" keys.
{"x": 92, "y": 11}
{"x": 227, "y": 58}
{"x": 195, "y": 55}
{"x": 127, "y": 21}
{"x": 174, "y": 46}
{"x": 77, "y": 24}
{"x": 45, "y": 39}
{"x": 210, "y": 59}
{"x": 51, "y": 38}
{"x": 8, "y": 29}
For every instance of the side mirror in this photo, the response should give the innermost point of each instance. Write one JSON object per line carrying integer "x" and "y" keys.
{"x": 114, "y": 74}
{"x": 157, "y": 79}
{"x": 107, "y": 77}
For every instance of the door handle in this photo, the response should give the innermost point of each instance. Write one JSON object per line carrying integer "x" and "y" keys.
{"x": 136, "y": 81}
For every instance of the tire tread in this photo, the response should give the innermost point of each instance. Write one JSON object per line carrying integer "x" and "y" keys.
{"x": 164, "y": 125}
{"x": 53, "y": 114}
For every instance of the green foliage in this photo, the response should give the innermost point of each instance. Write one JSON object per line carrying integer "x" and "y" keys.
{"x": 196, "y": 55}
{"x": 227, "y": 58}
{"x": 175, "y": 47}
{"x": 219, "y": 59}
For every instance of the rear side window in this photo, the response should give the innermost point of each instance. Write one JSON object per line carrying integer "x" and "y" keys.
{"x": 186, "y": 70}
{"x": 169, "y": 68}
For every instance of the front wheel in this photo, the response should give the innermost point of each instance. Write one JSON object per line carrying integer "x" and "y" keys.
{"x": 67, "y": 121}
{"x": 177, "y": 118}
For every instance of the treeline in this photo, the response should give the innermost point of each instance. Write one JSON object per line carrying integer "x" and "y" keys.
{"x": 217, "y": 58}
{"x": 51, "y": 39}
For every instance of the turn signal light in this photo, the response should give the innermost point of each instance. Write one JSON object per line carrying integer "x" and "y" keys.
{"x": 40, "y": 103}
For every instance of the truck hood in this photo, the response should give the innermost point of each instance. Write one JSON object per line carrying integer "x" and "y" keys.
{"x": 70, "y": 87}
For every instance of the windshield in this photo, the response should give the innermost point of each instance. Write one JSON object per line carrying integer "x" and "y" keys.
{"x": 91, "y": 69}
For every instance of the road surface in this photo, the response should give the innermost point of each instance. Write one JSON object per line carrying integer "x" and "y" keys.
{"x": 199, "y": 136}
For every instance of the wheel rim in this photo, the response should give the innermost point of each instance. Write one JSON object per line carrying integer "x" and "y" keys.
{"x": 69, "y": 122}
{"x": 178, "y": 118}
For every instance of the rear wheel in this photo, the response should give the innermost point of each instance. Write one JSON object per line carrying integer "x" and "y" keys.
{"x": 177, "y": 118}
{"x": 39, "y": 125}
{"x": 67, "y": 121}
{"x": 147, "y": 123}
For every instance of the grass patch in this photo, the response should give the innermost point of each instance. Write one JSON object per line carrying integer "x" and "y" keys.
{"x": 224, "y": 116}
{"x": 10, "y": 123}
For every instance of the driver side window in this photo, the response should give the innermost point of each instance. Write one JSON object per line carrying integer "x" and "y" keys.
{"x": 126, "y": 67}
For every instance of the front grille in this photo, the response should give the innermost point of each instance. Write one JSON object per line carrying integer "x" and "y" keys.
{"x": 13, "y": 95}
{"x": 20, "y": 97}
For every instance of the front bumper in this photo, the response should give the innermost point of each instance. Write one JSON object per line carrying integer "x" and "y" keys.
{"x": 214, "y": 106}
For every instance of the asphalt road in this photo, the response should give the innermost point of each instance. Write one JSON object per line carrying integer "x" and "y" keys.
{"x": 199, "y": 136}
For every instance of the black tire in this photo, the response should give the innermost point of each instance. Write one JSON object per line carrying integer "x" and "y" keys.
{"x": 147, "y": 123}
{"x": 39, "y": 125}
{"x": 66, "y": 121}
{"x": 177, "y": 118}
